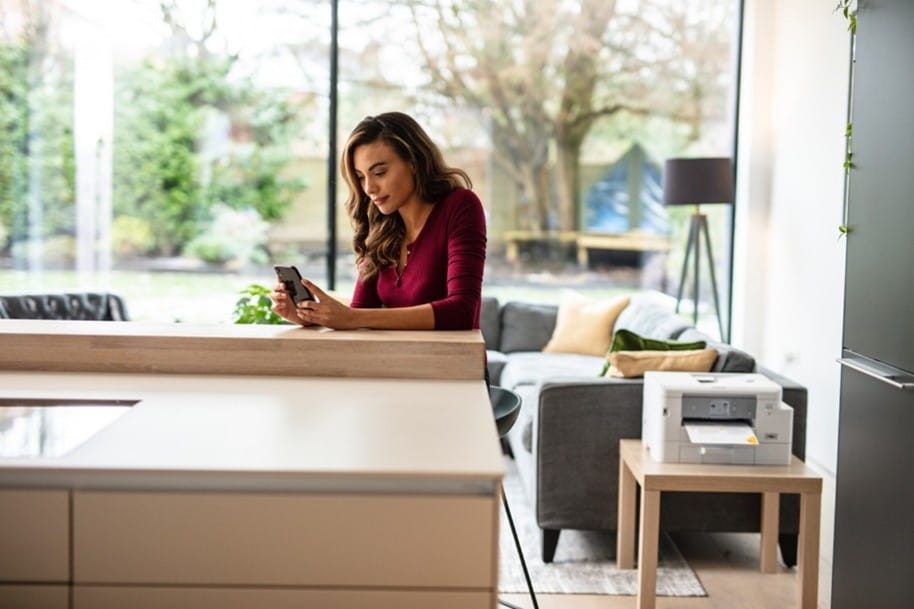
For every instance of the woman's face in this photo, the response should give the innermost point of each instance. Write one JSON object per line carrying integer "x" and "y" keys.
{"x": 386, "y": 178}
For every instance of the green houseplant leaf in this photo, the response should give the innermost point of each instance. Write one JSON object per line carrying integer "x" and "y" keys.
{"x": 255, "y": 307}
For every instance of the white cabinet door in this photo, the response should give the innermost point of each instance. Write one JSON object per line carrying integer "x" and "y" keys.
{"x": 30, "y": 596}
{"x": 339, "y": 541}
{"x": 34, "y": 536}
{"x": 118, "y": 597}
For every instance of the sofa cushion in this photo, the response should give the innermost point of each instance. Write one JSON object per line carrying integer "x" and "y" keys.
{"x": 489, "y": 322}
{"x": 584, "y": 325}
{"x": 525, "y": 326}
{"x": 523, "y": 427}
{"x": 729, "y": 358}
{"x": 626, "y": 340}
{"x": 652, "y": 320}
{"x": 633, "y": 364}
{"x": 529, "y": 368}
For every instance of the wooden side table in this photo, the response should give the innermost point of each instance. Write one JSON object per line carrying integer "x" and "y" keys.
{"x": 637, "y": 467}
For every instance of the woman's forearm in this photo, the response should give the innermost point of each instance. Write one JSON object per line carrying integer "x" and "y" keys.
{"x": 419, "y": 317}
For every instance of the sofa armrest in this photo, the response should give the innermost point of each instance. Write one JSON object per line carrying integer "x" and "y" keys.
{"x": 495, "y": 363}
{"x": 577, "y": 431}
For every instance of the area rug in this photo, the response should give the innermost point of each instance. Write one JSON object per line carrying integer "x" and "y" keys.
{"x": 585, "y": 561}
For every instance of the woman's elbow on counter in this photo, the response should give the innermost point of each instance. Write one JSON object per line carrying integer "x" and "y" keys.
{"x": 455, "y": 314}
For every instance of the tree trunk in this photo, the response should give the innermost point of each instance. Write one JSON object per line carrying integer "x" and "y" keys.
{"x": 568, "y": 183}
{"x": 543, "y": 196}
{"x": 526, "y": 160}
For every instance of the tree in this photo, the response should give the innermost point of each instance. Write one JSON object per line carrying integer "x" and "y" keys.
{"x": 37, "y": 168}
{"x": 163, "y": 174}
{"x": 13, "y": 135}
{"x": 157, "y": 121}
{"x": 543, "y": 72}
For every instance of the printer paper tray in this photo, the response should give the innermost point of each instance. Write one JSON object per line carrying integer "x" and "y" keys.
{"x": 729, "y": 433}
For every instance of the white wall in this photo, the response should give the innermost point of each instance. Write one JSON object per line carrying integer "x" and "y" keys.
{"x": 789, "y": 261}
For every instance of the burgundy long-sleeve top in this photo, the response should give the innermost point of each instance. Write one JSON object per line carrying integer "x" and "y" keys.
{"x": 444, "y": 266}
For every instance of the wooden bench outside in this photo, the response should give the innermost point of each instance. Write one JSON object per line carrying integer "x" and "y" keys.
{"x": 514, "y": 239}
{"x": 638, "y": 241}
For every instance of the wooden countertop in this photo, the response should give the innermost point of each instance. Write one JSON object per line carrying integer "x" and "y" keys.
{"x": 274, "y": 434}
{"x": 95, "y": 346}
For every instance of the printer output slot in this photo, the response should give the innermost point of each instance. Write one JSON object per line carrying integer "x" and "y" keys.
{"x": 733, "y": 432}
{"x": 718, "y": 421}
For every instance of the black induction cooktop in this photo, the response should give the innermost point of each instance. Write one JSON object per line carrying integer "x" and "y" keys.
{"x": 53, "y": 427}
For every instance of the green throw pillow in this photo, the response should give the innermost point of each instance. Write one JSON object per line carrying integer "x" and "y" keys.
{"x": 626, "y": 340}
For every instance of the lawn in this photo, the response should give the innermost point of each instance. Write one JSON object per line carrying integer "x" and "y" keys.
{"x": 209, "y": 297}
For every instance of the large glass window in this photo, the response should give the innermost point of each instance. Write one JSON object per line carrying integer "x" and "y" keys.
{"x": 172, "y": 150}
{"x": 160, "y": 149}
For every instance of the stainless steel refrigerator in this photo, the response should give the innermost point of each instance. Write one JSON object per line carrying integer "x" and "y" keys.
{"x": 874, "y": 511}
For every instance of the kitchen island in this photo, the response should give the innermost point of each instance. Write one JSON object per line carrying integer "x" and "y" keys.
{"x": 252, "y": 490}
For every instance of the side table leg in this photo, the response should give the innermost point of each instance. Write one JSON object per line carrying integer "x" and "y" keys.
{"x": 647, "y": 553}
{"x": 808, "y": 560}
{"x": 625, "y": 525}
{"x": 769, "y": 528}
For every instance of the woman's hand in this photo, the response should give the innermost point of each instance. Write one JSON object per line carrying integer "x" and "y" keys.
{"x": 325, "y": 311}
{"x": 283, "y": 305}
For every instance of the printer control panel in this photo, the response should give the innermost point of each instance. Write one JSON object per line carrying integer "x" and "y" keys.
{"x": 718, "y": 407}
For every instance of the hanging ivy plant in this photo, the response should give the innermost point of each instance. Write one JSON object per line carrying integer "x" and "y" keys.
{"x": 848, "y": 155}
{"x": 851, "y": 15}
{"x": 847, "y": 8}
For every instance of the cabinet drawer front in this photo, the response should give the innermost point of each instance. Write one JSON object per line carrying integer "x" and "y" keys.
{"x": 137, "y": 597}
{"x": 34, "y": 597}
{"x": 35, "y": 536}
{"x": 341, "y": 540}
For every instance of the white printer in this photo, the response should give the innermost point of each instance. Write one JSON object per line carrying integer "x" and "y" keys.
{"x": 716, "y": 418}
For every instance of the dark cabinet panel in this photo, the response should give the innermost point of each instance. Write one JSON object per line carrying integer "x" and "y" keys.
{"x": 879, "y": 292}
{"x": 874, "y": 535}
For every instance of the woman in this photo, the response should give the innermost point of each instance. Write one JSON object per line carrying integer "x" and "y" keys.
{"x": 420, "y": 237}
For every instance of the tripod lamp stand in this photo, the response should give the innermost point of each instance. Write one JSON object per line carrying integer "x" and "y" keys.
{"x": 696, "y": 182}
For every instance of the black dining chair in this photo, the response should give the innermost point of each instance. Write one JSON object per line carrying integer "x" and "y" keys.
{"x": 506, "y": 408}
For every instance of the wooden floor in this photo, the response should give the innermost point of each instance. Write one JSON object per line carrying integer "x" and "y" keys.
{"x": 726, "y": 564}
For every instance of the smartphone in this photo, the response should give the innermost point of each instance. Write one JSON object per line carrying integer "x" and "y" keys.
{"x": 291, "y": 279}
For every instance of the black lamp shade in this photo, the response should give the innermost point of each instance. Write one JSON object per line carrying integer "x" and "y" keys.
{"x": 696, "y": 181}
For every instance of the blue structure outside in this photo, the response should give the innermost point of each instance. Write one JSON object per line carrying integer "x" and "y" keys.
{"x": 628, "y": 197}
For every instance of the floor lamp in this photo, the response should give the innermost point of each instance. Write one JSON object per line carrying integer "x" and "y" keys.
{"x": 696, "y": 182}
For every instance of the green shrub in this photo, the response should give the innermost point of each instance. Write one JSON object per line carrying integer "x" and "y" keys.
{"x": 233, "y": 235}
{"x": 131, "y": 237}
{"x": 56, "y": 250}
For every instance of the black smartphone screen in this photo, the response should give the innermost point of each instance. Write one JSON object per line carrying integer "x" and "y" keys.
{"x": 291, "y": 279}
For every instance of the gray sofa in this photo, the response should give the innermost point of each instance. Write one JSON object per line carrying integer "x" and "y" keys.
{"x": 97, "y": 306}
{"x": 566, "y": 440}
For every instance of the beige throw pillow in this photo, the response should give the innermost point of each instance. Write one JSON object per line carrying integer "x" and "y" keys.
{"x": 632, "y": 364}
{"x": 583, "y": 325}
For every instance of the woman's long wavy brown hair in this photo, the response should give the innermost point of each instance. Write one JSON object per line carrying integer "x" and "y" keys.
{"x": 378, "y": 238}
